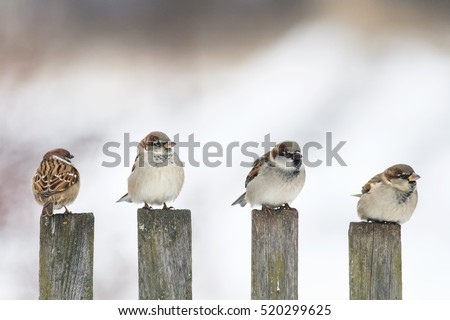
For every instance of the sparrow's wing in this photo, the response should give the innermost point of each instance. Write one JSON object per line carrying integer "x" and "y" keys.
{"x": 256, "y": 166}
{"x": 134, "y": 164}
{"x": 54, "y": 177}
{"x": 369, "y": 185}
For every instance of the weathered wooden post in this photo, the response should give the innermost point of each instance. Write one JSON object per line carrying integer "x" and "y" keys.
{"x": 66, "y": 257}
{"x": 375, "y": 261}
{"x": 275, "y": 254}
{"x": 165, "y": 254}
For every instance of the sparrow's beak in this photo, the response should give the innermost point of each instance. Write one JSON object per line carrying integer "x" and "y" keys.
{"x": 294, "y": 156}
{"x": 169, "y": 145}
{"x": 70, "y": 156}
{"x": 413, "y": 177}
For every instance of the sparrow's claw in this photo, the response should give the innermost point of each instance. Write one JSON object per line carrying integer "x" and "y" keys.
{"x": 381, "y": 221}
{"x": 285, "y": 206}
{"x": 266, "y": 208}
{"x": 47, "y": 210}
{"x": 165, "y": 207}
{"x": 146, "y": 206}
{"x": 67, "y": 211}
{"x": 389, "y": 222}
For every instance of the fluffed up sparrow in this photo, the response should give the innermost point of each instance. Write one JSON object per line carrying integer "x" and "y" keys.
{"x": 56, "y": 182}
{"x": 276, "y": 178}
{"x": 157, "y": 175}
{"x": 390, "y": 196}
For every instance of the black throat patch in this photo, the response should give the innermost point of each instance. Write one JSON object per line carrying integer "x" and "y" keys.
{"x": 404, "y": 196}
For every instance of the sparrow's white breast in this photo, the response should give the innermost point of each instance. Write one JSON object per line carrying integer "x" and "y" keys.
{"x": 382, "y": 204}
{"x": 274, "y": 186}
{"x": 155, "y": 184}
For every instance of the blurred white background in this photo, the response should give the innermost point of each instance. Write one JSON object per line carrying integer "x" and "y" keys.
{"x": 78, "y": 74}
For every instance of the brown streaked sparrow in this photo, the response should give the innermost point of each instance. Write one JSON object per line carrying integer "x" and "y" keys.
{"x": 56, "y": 182}
{"x": 390, "y": 196}
{"x": 157, "y": 175}
{"x": 276, "y": 178}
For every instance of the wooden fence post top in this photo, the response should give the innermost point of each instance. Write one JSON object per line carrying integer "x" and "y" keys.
{"x": 164, "y": 212}
{"x": 280, "y": 212}
{"x": 164, "y": 218}
{"x": 65, "y": 217}
{"x": 370, "y": 226}
{"x": 275, "y": 210}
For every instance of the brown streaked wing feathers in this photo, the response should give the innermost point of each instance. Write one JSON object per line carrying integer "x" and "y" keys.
{"x": 366, "y": 188}
{"x": 134, "y": 165}
{"x": 60, "y": 177}
{"x": 256, "y": 165}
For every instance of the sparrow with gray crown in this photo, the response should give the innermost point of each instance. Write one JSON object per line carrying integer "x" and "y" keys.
{"x": 390, "y": 196}
{"x": 276, "y": 178}
{"x": 157, "y": 175}
{"x": 56, "y": 182}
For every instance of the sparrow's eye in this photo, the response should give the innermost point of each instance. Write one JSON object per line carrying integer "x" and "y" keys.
{"x": 157, "y": 143}
{"x": 282, "y": 153}
{"x": 403, "y": 175}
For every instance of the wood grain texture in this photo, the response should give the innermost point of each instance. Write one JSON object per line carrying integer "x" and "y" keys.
{"x": 375, "y": 261}
{"x": 165, "y": 254}
{"x": 275, "y": 254}
{"x": 66, "y": 257}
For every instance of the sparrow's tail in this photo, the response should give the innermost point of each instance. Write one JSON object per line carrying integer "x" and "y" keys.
{"x": 241, "y": 200}
{"x": 126, "y": 198}
{"x": 47, "y": 210}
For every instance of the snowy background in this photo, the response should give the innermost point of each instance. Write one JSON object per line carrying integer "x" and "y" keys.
{"x": 79, "y": 74}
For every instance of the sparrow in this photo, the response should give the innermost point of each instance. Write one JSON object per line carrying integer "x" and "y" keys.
{"x": 56, "y": 182}
{"x": 276, "y": 178}
{"x": 157, "y": 175}
{"x": 390, "y": 196}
